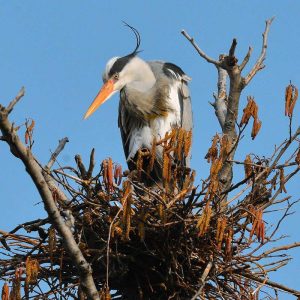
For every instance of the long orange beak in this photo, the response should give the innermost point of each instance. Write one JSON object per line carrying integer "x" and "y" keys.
{"x": 104, "y": 94}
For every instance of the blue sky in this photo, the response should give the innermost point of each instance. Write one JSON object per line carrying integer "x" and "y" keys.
{"x": 58, "y": 50}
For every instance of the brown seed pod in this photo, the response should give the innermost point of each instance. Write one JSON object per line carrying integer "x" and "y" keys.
{"x": 291, "y": 96}
{"x": 255, "y": 128}
{"x": 228, "y": 243}
{"x": 152, "y": 156}
{"x": 224, "y": 147}
{"x": 118, "y": 174}
{"x": 282, "y": 181}
{"x": 180, "y": 142}
{"x": 110, "y": 182}
{"x": 187, "y": 142}
{"x": 212, "y": 153}
{"x": 32, "y": 270}
{"x": 204, "y": 220}
{"x": 5, "y": 292}
{"x": 248, "y": 166}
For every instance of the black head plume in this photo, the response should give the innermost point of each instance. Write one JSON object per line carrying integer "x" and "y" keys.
{"x": 121, "y": 62}
{"x": 138, "y": 39}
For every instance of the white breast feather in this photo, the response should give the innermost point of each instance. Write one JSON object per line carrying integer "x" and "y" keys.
{"x": 143, "y": 137}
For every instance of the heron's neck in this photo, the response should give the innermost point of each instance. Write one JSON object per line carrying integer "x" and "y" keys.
{"x": 142, "y": 77}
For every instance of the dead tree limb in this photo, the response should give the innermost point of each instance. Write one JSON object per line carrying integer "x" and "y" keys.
{"x": 36, "y": 173}
{"x": 228, "y": 117}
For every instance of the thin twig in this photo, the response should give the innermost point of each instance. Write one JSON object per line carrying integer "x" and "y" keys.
{"x": 201, "y": 52}
{"x": 270, "y": 283}
{"x": 203, "y": 279}
{"x": 16, "y": 100}
{"x": 259, "y": 63}
{"x": 55, "y": 154}
{"x": 246, "y": 59}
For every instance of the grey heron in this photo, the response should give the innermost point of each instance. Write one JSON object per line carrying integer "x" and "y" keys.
{"x": 154, "y": 98}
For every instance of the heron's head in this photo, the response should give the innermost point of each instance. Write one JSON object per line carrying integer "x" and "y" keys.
{"x": 118, "y": 72}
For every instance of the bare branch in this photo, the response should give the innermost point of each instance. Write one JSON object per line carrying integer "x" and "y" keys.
{"x": 81, "y": 166}
{"x": 280, "y": 248}
{"x": 232, "y": 48}
{"x": 282, "y": 151}
{"x": 220, "y": 105}
{"x": 36, "y": 173}
{"x": 16, "y": 100}
{"x": 202, "y": 279}
{"x": 246, "y": 59}
{"x": 259, "y": 63}
{"x": 92, "y": 164}
{"x": 271, "y": 284}
{"x": 55, "y": 154}
{"x": 201, "y": 52}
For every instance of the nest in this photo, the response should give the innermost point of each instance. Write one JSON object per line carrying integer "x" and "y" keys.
{"x": 171, "y": 240}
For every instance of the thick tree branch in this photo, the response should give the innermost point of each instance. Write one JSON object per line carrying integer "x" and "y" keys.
{"x": 228, "y": 117}
{"x": 220, "y": 104}
{"x": 36, "y": 173}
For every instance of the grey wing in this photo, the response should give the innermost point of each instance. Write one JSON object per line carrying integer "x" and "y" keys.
{"x": 187, "y": 114}
{"x": 128, "y": 124}
{"x": 123, "y": 123}
{"x": 175, "y": 73}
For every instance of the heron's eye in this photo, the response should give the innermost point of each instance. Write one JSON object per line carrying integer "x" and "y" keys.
{"x": 116, "y": 76}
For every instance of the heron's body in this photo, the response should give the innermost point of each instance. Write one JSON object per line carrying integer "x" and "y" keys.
{"x": 154, "y": 98}
{"x": 148, "y": 114}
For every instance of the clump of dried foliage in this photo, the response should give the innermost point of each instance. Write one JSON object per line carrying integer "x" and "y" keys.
{"x": 179, "y": 239}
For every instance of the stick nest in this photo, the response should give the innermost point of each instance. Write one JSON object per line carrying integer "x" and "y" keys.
{"x": 172, "y": 240}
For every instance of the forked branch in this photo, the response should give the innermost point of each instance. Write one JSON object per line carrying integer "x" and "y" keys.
{"x": 227, "y": 111}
